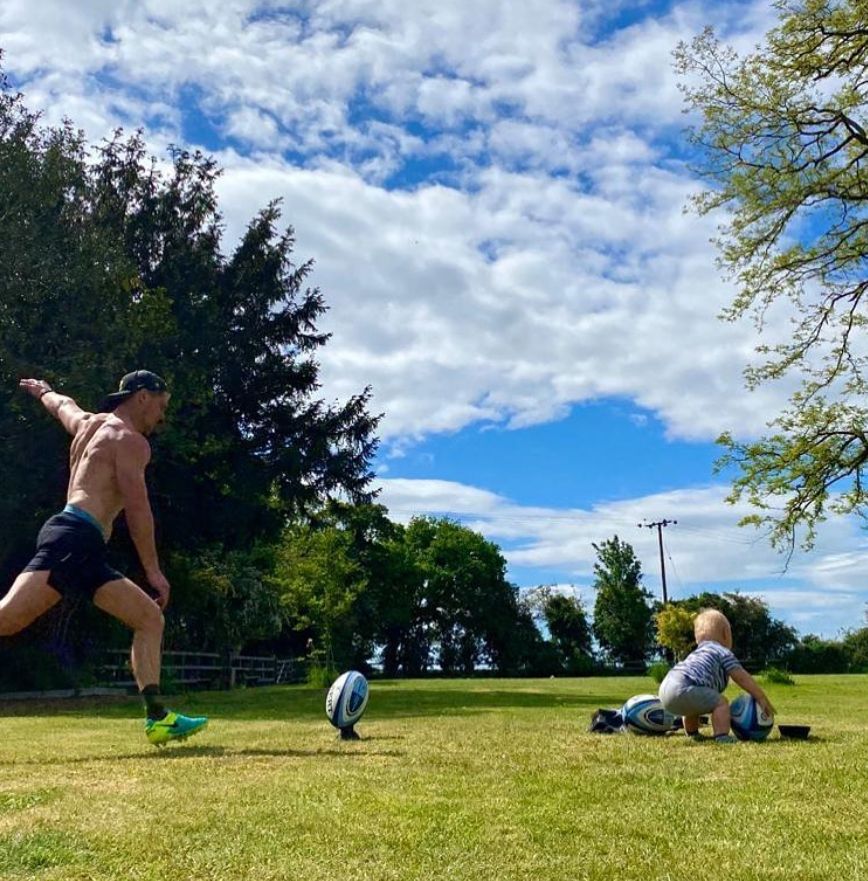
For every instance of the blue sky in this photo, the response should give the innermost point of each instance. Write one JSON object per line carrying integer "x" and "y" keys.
{"x": 493, "y": 194}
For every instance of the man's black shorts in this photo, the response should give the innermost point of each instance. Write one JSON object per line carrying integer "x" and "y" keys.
{"x": 74, "y": 553}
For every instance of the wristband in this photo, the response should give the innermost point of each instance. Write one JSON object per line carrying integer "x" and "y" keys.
{"x": 45, "y": 392}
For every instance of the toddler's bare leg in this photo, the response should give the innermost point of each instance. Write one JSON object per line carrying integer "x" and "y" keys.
{"x": 691, "y": 725}
{"x": 720, "y": 718}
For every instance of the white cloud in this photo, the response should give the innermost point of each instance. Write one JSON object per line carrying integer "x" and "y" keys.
{"x": 514, "y": 301}
{"x": 255, "y": 128}
{"x": 559, "y": 267}
{"x": 57, "y": 35}
{"x": 447, "y": 62}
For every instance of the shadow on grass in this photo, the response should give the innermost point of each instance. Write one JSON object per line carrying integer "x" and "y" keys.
{"x": 409, "y": 703}
{"x": 407, "y": 700}
{"x": 181, "y": 753}
{"x": 787, "y": 741}
{"x": 708, "y": 740}
{"x": 388, "y": 700}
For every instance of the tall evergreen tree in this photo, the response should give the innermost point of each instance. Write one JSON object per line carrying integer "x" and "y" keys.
{"x": 110, "y": 264}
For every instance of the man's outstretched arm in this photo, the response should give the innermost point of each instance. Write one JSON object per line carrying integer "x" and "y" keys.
{"x": 62, "y": 407}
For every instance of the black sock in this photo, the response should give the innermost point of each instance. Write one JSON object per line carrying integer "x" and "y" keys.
{"x": 153, "y": 705}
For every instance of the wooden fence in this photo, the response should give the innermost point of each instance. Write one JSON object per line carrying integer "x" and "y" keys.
{"x": 206, "y": 669}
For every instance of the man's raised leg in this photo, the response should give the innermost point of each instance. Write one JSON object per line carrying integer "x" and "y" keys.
{"x": 29, "y": 597}
{"x": 127, "y": 602}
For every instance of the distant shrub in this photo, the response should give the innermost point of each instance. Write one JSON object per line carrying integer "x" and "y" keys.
{"x": 658, "y": 670}
{"x": 777, "y": 676}
{"x": 579, "y": 664}
{"x": 321, "y": 675}
{"x": 816, "y": 655}
{"x": 856, "y": 646}
{"x": 675, "y": 629}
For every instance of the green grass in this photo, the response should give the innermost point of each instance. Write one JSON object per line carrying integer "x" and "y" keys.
{"x": 475, "y": 780}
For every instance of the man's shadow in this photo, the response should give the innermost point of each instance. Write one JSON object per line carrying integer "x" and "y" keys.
{"x": 355, "y": 750}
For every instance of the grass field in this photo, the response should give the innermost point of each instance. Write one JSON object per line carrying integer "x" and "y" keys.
{"x": 457, "y": 779}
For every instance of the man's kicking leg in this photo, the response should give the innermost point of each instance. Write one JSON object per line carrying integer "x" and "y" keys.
{"x": 128, "y": 603}
{"x": 29, "y": 597}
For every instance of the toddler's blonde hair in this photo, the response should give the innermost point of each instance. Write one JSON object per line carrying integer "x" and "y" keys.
{"x": 714, "y": 625}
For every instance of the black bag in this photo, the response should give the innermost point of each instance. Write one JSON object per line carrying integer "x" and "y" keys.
{"x": 606, "y": 722}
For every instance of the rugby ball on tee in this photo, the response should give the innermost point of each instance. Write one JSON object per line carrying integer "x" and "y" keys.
{"x": 346, "y": 699}
{"x": 748, "y": 719}
{"x": 644, "y": 714}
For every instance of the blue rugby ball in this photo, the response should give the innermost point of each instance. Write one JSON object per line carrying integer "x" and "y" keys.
{"x": 346, "y": 699}
{"x": 644, "y": 714}
{"x": 748, "y": 719}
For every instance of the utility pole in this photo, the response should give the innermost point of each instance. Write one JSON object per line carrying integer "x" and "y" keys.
{"x": 659, "y": 524}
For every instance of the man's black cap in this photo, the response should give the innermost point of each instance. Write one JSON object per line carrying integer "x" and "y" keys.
{"x": 138, "y": 380}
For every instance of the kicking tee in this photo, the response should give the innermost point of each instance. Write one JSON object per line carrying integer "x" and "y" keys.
{"x": 708, "y": 665}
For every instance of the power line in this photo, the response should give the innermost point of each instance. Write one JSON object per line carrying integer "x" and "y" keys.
{"x": 658, "y": 525}
{"x": 678, "y": 577}
{"x": 717, "y": 536}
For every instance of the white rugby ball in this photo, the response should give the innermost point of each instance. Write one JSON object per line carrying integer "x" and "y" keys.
{"x": 346, "y": 699}
{"x": 644, "y": 714}
{"x": 748, "y": 719}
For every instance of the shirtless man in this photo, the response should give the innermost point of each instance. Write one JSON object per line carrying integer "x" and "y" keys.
{"x": 107, "y": 458}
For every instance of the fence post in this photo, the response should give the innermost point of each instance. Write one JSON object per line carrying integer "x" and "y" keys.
{"x": 228, "y": 673}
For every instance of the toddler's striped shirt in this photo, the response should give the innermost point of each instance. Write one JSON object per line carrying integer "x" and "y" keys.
{"x": 709, "y": 664}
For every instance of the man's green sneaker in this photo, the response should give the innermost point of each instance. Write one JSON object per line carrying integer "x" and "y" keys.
{"x": 173, "y": 726}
